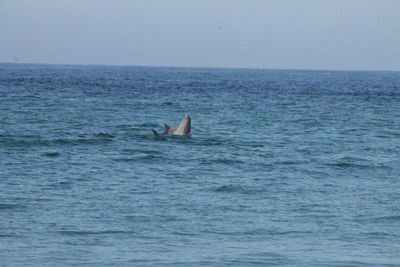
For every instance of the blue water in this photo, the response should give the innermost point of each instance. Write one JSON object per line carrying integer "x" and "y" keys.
{"x": 285, "y": 168}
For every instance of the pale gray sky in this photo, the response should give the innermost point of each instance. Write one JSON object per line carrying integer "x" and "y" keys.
{"x": 288, "y": 34}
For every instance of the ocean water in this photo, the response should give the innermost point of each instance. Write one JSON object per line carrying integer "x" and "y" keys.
{"x": 283, "y": 168}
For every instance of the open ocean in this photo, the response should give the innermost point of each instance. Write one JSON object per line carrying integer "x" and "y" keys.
{"x": 283, "y": 168}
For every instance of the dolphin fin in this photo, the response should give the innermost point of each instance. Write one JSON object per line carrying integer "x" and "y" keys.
{"x": 166, "y": 129}
{"x": 155, "y": 132}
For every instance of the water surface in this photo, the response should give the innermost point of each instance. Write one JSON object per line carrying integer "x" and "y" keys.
{"x": 285, "y": 168}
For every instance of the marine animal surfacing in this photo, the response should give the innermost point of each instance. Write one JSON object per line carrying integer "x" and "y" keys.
{"x": 181, "y": 129}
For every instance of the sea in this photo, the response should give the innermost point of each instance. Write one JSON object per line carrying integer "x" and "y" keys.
{"x": 283, "y": 167}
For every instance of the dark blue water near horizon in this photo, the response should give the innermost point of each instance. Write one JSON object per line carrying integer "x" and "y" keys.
{"x": 283, "y": 168}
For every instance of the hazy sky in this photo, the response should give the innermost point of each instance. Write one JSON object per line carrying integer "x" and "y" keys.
{"x": 348, "y": 34}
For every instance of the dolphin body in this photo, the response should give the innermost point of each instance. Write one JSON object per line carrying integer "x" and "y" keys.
{"x": 181, "y": 129}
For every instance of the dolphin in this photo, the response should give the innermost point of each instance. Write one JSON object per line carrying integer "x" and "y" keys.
{"x": 181, "y": 129}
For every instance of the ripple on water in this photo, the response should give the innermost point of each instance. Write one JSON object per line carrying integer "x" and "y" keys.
{"x": 81, "y": 141}
{"x": 380, "y": 219}
{"x": 86, "y": 233}
{"x": 134, "y": 151}
{"x": 146, "y": 125}
{"x": 355, "y": 163}
{"x": 37, "y": 140}
{"x": 9, "y": 206}
{"x": 104, "y": 135}
{"x": 133, "y": 155}
{"x": 139, "y": 158}
{"x": 52, "y": 154}
{"x": 279, "y": 169}
{"x": 262, "y": 258}
{"x": 224, "y": 161}
{"x": 237, "y": 189}
{"x": 209, "y": 142}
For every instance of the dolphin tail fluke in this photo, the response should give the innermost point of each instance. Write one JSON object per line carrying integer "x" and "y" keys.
{"x": 155, "y": 132}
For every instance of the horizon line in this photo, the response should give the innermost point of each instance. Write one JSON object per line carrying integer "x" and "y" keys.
{"x": 196, "y": 67}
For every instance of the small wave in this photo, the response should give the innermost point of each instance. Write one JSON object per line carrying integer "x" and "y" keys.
{"x": 104, "y": 135}
{"x": 380, "y": 235}
{"x": 228, "y": 161}
{"x": 350, "y": 165}
{"x": 131, "y": 151}
{"x": 354, "y": 162}
{"x": 7, "y": 235}
{"x": 63, "y": 184}
{"x": 143, "y": 137}
{"x": 147, "y": 124}
{"x": 221, "y": 161}
{"x": 81, "y": 141}
{"x": 170, "y": 138}
{"x": 290, "y": 162}
{"x": 255, "y": 145}
{"x": 127, "y": 127}
{"x": 236, "y": 189}
{"x": 388, "y": 134}
{"x": 262, "y": 259}
{"x": 52, "y": 154}
{"x": 139, "y": 158}
{"x": 227, "y": 188}
{"x": 21, "y": 141}
{"x": 150, "y": 157}
{"x": 390, "y": 218}
{"x": 84, "y": 233}
{"x": 145, "y": 218}
{"x": 180, "y": 233}
{"x": 182, "y": 138}
{"x": 209, "y": 142}
{"x": 293, "y": 232}
{"x": 5, "y": 206}
{"x": 138, "y": 218}
{"x": 268, "y": 232}
{"x": 351, "y": 263}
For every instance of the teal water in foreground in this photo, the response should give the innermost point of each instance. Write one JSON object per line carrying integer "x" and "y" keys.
{"x": 284, "y": 168}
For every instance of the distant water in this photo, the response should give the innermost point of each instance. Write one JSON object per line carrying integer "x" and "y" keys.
{"x": 284, "y": 168}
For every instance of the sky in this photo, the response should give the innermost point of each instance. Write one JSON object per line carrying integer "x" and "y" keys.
{"x": 279, "y": 34}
